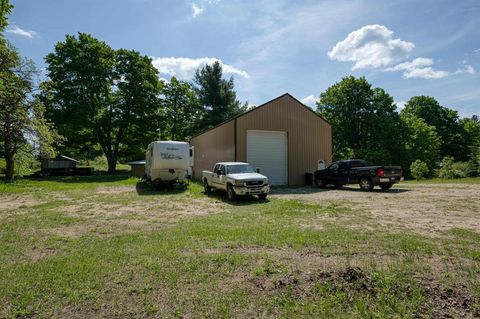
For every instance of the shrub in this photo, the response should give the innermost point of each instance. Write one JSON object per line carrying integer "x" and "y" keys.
{"x": 450, "y": 169}
{"x": 419, "y": 169}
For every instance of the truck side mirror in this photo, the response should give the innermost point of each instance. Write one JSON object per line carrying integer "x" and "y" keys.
{"x": 219, "y": 172}
{"x": 257, "y": 170}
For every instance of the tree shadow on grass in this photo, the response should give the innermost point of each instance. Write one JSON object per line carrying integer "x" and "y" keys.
{"x": 145, "y": 189}
{"x": 79, "y": 179}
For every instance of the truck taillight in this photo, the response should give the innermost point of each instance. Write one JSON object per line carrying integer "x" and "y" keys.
{"x": 380, "y": 172}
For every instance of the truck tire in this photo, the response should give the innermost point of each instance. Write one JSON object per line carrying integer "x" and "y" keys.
{"x": 231, "y": 193}
{"x": 386, "y": 187}
{"x": 206, "y": 188}
{"x": 366, "y": 184}
{"x": 262, "y": 196}
{"x": 319, "y": 182}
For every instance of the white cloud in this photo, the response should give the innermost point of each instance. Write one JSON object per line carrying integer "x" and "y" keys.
{"x": 422, "y": 68}
{"x": 21, "y": 32}
{"x": 409, "y": 66}
{"x": 196, "y": 10}
{"x": 477, "y": 50}
{"x": 400, "y": 104}
{"x": 425, "y": 73}
{"x": 371, "y": 46}
{"x": 418, "y": 68}
{"x": 309, "y": 100}
{"x": 467, "y": 69}
{"x": 184, "y": 68}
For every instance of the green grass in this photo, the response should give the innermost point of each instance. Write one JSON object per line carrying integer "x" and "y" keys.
{"x": 275, "y": 258}
{"x": 467, "y": 180}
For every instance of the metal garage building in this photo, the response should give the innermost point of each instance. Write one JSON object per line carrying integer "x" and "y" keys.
{"x": 283, "y": 138}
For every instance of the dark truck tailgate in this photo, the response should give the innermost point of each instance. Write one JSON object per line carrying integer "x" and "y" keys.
{"x": 392, "y": 171}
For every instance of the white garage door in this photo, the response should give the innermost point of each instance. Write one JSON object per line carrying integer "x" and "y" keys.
{"x": 267, "y": 150}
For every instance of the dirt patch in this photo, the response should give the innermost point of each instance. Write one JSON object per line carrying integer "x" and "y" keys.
{"x": 12, "y": 202}
{"x": 439, "y": 301}
{"x": 115, "y": 190}
{"x": 424, "y": 208}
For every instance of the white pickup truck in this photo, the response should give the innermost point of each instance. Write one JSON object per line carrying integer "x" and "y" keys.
{"x": 236, "y": 178}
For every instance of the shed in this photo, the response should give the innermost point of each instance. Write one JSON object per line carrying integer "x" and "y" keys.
{"x": 283, "y": 138}
{"x": 59, "y": 162}
{"x": 138, "y": 168}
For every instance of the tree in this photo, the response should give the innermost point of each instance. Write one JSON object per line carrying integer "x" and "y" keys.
{"x": 5, "y": 9}
{"x": 21, "y": 114}
{"x": 444, "y": 120}
{"x": 181, "y": 109}
{"x": 422, "y": 142}
{"x": 216, "y": 95}
{"x": 98, "y": 95}
{"x": 365, "y": 121}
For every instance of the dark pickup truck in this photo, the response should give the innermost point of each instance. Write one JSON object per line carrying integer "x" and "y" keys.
{"x": 358, "y": 172}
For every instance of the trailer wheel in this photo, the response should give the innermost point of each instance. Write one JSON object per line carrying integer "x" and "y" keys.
{"x": 206, "y": 188}
{"x": 366, "y": 184}
{"x": 231, "y": 193}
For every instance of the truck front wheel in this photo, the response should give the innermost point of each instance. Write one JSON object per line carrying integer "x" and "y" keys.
{"x": 230, "y": 193}
{"x": 262, "y": 196}
{"x": 319, "y": 182}
{"x": 206, "y": 187}
{"x": 366, "y": 184}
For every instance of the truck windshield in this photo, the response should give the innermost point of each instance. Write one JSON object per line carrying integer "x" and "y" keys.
{"x": 239, "y": 169}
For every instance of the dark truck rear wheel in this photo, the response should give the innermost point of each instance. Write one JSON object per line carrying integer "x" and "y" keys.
{"x": 386, "y": 187}
{"x": 366, "y": 184}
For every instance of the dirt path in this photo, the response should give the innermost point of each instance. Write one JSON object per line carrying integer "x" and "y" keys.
{"x": 425, "y": 208}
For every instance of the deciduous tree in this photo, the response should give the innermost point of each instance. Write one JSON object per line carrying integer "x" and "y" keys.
{"x": 99, "y": 95}
{"x": 365, "y": 121}
{"x": 181, "y": 109}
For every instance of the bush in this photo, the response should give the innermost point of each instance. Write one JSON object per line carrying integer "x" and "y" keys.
{"x": 450, "y": 169}
{"x": 419, "y": 169}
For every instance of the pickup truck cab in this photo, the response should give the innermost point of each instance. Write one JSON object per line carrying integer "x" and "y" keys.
{"x": 358, "y": 172}
{"x": 237, "y": 179}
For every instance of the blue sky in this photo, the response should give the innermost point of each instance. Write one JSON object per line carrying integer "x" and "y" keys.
{"x": 429, "y": 47}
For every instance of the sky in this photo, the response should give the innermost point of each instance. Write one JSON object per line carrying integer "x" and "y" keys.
{"x": 271, "y": 47}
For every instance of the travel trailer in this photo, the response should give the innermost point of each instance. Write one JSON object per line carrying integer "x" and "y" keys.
{"x": 167, "y": 163}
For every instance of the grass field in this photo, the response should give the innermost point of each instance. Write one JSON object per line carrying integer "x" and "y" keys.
{"x": 105, "y": 246}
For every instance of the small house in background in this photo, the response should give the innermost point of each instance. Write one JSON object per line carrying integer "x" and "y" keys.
{"x": 59, "y": 162}
{"x": 63, "y": 165}
{"x": 138, "y": 168}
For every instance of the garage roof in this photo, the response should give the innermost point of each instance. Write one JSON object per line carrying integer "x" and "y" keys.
{"x": 256, "y": 108}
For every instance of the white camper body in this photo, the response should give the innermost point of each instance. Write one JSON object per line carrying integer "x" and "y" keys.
{"x": 167, "y": 162}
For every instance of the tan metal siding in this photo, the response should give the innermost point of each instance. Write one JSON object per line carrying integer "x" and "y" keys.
{"x": 309, "y": 136}
{"x": 216, "y": 145}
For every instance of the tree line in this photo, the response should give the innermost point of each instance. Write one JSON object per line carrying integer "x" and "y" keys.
{"x": 95, "y": 100}
{"x": 366, "y": 124}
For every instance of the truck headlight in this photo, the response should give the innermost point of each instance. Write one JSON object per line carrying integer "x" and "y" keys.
{"x": 239, "y": 183}
{"x": 265, "y": 182}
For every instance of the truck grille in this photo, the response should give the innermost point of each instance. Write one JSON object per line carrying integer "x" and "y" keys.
{"x": 254, "y": 183}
